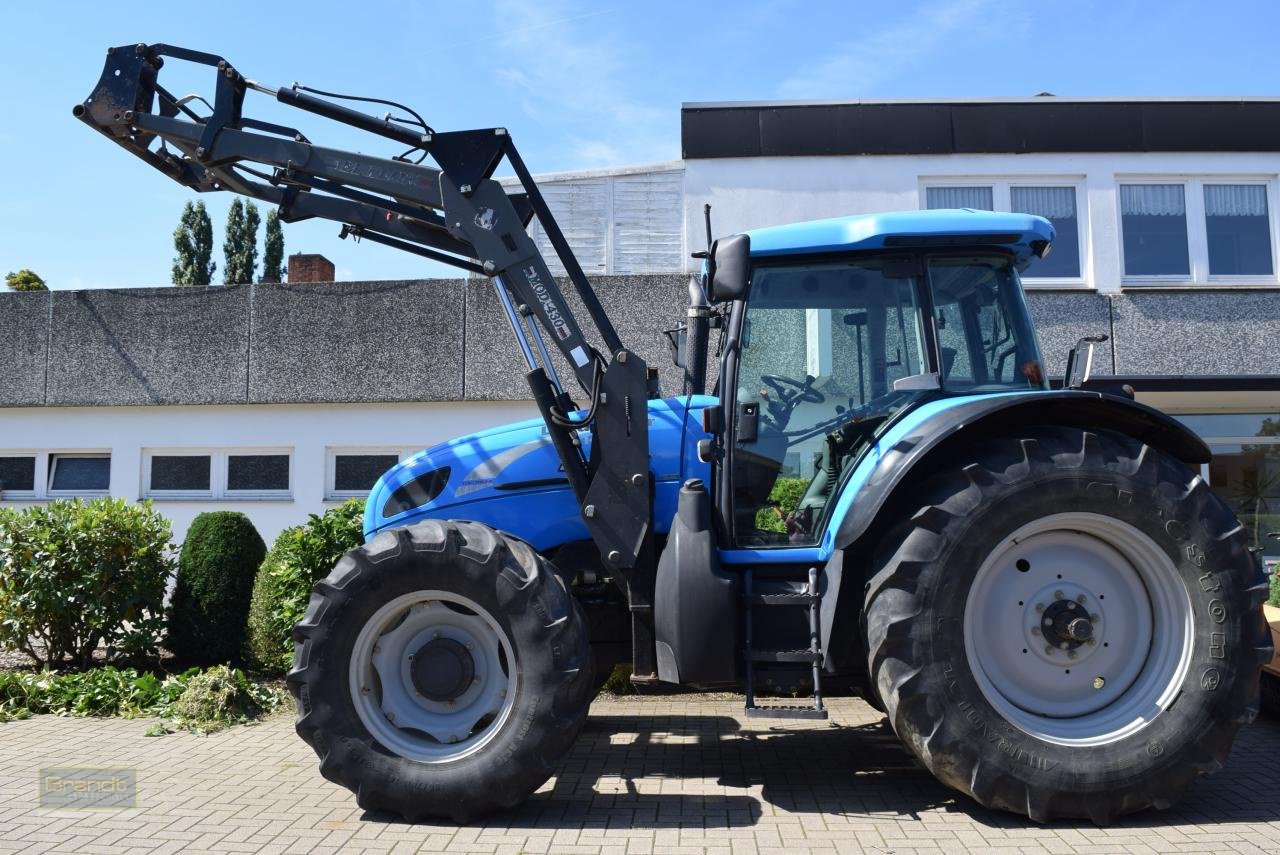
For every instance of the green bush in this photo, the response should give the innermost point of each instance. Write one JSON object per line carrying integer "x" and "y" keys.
{"x": 74, "y": 576}
{"x": 300, "y": 557}
{"x": 785, "y": 495}
{"x": 210, "y": 605}
{"x": 1274, "y": 599}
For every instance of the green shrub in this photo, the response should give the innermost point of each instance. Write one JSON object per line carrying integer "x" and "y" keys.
{"x": 785, "y": 496}
{"x": 1274, "y": 599}
{"x": 300, "y": 557}
{"x": 74, "y": 576}
{"x": 219, "y": 697}
{"x": 210, "y": 605}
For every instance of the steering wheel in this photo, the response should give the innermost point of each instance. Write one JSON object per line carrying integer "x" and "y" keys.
{"x": 792, "y": 392}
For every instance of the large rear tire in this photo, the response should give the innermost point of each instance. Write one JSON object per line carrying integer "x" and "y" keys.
{"x": 441, "y": 670}
{"x": 1068, "y": 626}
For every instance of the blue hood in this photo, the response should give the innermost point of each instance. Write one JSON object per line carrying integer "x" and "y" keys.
{"x": 510, "y": 478}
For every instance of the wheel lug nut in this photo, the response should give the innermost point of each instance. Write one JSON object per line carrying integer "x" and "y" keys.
{"x": 1063, "y": 645}
{"x": 1035, "y": 630}
{"x": 1095, "y": 618}
{"x": 1072, "y": 605}
{"x": 1080, "y": 599}
{"x": 1050, "y": 649}
{"x": 1039, "y": 607}
{"x": 1099, "y": 682}
{"x": 1057, "y": 595}
{"x": 1048, "y": 622}
{"x": 471, "y": 645}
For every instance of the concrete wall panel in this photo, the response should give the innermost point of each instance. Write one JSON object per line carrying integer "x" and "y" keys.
{"x": 24, "y": 347}
{"x": 148, "y": 346}
{"x": 357, "y": 341}
{"x": 1197, "y": 332}
{"x": 1062, "y": 318}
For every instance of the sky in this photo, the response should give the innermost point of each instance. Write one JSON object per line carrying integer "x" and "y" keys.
{"x": 579, "y": 85}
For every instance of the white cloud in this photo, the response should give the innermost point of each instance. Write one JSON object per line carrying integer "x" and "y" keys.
{"x": 572, "y": 76}
{"x": 882, "y": 54}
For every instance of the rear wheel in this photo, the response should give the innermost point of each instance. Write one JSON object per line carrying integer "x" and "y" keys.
{"x": 441, "y": 670}
{"x": 1069, "y": 626}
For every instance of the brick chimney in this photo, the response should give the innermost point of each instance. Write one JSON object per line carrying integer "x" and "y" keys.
{"x": 309, "y": 267}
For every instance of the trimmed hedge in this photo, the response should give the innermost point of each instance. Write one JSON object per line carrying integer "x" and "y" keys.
{"x": 300, "y": 557}
{"x": 210, "y": 605}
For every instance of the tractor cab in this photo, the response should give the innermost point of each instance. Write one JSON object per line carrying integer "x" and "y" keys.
{"x": 841, "y": 325}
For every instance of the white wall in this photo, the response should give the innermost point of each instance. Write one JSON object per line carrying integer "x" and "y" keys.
{"x": 307, "y": 430}
{"x": 747, "y": 193}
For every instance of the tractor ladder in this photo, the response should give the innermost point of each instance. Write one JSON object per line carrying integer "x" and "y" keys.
{"x": 791, "y": 595}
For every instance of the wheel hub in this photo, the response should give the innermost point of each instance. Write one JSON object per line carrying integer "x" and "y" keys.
{"x": 1067, "y": 622}
{"x": 442, "y": 669}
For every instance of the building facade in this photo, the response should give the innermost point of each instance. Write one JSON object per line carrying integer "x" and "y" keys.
{"x": 282, "y": 399}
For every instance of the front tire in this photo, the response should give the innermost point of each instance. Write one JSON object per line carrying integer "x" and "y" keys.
{"x": 441, "y": 670}
{"x": 1068, "y": 626}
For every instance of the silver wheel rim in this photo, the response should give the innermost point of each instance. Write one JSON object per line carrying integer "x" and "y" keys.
{"x": 387, "y": 698}
{"x": 1027, "y": 655}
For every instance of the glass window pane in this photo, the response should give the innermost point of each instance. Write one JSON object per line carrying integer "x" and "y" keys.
{"x": 357, "y": 473}
{"x": 1233, "y": 424}
{"x": 1153, "y": 218}
{"x": 258, "y": 472}
{"x": 1239, "y": 231}
{"x": 1247, "y": 477}
{"x": 69, "y": 472}
{"x": 1058, "y": 206}
{"x": 978, "y": 198}
{"x": 180, "y": 472}
{"x": 17, "y": 473}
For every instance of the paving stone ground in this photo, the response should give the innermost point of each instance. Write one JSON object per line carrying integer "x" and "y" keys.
{"x": 676, "y": 774}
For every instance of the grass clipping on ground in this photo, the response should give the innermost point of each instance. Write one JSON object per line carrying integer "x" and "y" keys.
{"x": 197, "y": 700}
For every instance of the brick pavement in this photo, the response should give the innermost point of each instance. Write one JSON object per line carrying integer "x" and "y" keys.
{"x": 677, "y": 774}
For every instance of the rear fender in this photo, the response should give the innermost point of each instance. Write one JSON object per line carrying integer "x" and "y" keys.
{"x": 927, "y": 448}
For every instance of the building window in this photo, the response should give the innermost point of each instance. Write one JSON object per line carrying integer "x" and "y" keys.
{"x": 1238, "y": 229}
{"x": 79, "y": 474}
{"x": 1245, "y": 471}
{"x": 978, "y": 198}
{"x": 1058, "y": 206}
{"x": 216, "y": 473}
{"x": 352, "y": 472}
{"x": 1056, "y": 201}
{"x": 39, "y": 475}
{"x": 1153, "y": 218}
{"x": 257, "y": 472}
{"x": 17, "y": 474}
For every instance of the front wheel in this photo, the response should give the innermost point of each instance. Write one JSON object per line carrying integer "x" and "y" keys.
{"x": 441, "y": 670}
{"x": 1069, "y": 626}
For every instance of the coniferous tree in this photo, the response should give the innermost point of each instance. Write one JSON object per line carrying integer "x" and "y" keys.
{"x": 240, "y": 248}
{"x": 273, "y": 249}
{"x": 25, "y": 280}
{"x": 193, "y": 241}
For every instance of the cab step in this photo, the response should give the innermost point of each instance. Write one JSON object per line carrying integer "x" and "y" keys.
{"x": 780, "y": 711}
{"x": 809, "y": 599}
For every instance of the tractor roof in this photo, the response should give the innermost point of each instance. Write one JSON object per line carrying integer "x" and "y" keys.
{"x": 902, "y": 229}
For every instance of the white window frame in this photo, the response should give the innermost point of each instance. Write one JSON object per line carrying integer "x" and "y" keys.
{"x": 1001, "y": 200}
{"x": 1198, "y": 233}
{"x": 218, "y": 463}
{"x": 332, "y": 452}
{"x": 51, "y": 464}
{"x": 44, "y": 472}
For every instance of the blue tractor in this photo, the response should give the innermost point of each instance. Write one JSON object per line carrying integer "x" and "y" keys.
{"x": 880, "y": 489}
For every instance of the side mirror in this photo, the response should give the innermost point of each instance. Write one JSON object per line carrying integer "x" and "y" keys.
{"x": 729, "y": 268}
{"x": 1082, "y": 365}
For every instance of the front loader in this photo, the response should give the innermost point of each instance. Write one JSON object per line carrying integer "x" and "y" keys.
{"x": 1056, "y": 614}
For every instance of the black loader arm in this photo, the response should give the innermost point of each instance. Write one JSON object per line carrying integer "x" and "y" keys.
{"x": 452, "y": 212}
